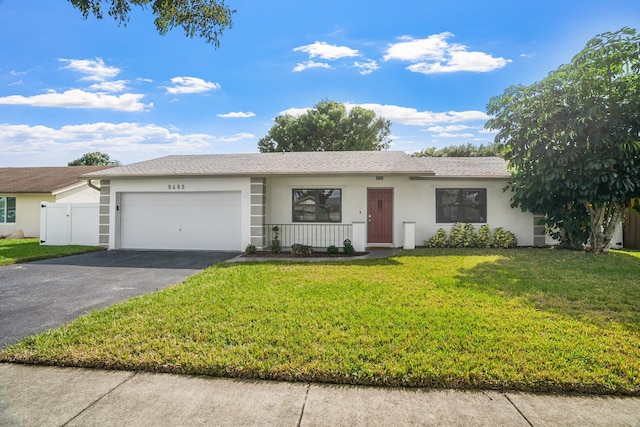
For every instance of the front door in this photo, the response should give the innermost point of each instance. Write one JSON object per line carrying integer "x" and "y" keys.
{"x": 380, "y": 215}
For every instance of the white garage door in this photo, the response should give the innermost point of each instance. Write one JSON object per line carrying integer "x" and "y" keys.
{"x": 201, "y": 221}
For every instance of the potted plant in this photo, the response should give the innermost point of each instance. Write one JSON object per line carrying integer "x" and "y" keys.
{"x": 275, "y": 242}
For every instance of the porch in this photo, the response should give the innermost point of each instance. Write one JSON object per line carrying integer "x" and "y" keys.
{"x": 315, "y": 235}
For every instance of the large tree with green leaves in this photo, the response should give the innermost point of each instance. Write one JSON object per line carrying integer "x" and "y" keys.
{"x": 573, "y": 138}
{"x": 463, "y": 150}
{"x": 202, "y": 18}
{"x": 328, "y": 127}
{"x": 94, "y": 159}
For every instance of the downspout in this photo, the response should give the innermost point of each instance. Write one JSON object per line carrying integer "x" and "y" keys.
{"x": 90, "y": 184}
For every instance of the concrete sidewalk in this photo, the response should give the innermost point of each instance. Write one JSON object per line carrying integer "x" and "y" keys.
{"x": 46, "y": 396}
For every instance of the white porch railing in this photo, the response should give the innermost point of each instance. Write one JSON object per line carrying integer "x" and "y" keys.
{"x": 316, "y": 235}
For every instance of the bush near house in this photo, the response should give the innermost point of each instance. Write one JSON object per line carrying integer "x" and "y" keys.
{"x": 333, "y": 250}
{"x": 503, "y": 239}
{"x": 464, "y": 235}
{"x": 348, "y": 248}
{"x": 484, "y": 236}
{"x": 438, "y": 240}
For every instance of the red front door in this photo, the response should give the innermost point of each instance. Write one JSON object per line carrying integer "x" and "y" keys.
{"x": 380, "y": 215}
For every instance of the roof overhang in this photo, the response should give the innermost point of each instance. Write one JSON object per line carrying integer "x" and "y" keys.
{"x": 423, "y": 177}
{"x": 68, "y": 188}
{"x": 250, "y": 175}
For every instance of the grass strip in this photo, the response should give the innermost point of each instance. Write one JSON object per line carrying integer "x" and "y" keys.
{"x": 24, "y": 250}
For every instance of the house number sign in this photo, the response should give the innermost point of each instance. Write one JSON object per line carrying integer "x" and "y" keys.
{"x": 176, "y": 187}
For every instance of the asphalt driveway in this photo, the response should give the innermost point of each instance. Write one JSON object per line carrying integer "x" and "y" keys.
{"x": 45, "y": 294}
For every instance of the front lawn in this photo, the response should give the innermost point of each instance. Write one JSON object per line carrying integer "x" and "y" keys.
{"x": 23, "y": 250}
{"x": 525, "y": 319}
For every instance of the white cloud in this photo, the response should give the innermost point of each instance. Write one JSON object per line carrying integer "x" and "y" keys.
{"x": 451, "y": 128}
{"x": 182, "y": 85}
{"x": 367, "y": 67}
{"x": 42, "y": 145}
{"x": 237, "y": 115}
{"x": 112, "y": 86}
{"x": 95, "y": 70}
{"x": 301, "y": 66}
{"x": 327, "y": 51}
{"x": 413, "y": 50}
{"x": 488, "y": 131}
{"x": 436, "y": 55}
{"x": 140, "y": 79}
{"x": 235, "y": 138}
{"x": 413, "y": 117}
{"x": 295, "y": 112}
{"x": 453, "y": 135}
{"x": 77, "y": 98}
{"x": 17, "y": 73}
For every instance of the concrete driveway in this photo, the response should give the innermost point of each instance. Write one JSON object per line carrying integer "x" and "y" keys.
{"x": 45, "y": 294}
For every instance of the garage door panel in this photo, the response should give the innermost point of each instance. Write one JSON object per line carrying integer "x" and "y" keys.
{"x": 205, "y": 221}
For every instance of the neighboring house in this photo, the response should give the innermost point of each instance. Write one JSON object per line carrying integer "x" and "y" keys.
{"x": 22, "y": 190}
{"x": 225, "y": 202}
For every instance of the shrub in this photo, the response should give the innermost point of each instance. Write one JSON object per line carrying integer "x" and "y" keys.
{"x": 348, "y": 248}
{"x": 504, "y": 239}
{"x": 484, "y": 236}
{"x": 250, "y": 249}
{"x": 332, "y": 250}
{"x": 438, "y": 240}
{"x": 462, "y": 236}
{"x": 276, "y": 248}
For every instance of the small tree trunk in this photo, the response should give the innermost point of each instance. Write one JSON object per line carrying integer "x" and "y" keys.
{"x": 604, "y": 220}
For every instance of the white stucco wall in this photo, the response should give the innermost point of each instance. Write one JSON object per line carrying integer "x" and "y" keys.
{"x": 81, "y": 194}
{"x": 414, "y": 201}
{"x": 191, "y": 184}
{"x": 27, "y": 214}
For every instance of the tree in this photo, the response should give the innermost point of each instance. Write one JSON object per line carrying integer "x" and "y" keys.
{"x": 94, "y": 159}
{"x": 573, "y": 138}
{"x": 328, "y": 127}
{"x": 464, "y": 150}
{"x": 203, "y": 18}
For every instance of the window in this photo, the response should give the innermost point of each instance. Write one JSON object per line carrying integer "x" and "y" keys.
{"x": 461, "y": 205}
{"x": 7, "y": 210}
{"x": 317, "y": 205}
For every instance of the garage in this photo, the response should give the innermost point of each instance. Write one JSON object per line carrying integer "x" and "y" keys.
{"x": 183, "y": 221}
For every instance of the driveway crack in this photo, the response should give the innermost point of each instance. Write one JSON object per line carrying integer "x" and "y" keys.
{"x": 306, "y": 395}
{"x": 92, "y": 404}
{"x": 519, "y": 411}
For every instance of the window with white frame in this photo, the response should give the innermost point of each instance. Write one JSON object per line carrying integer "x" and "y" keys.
{"x": 317, "y": 205}
{"x": 461, "y": 205}
{"x": 7, "y": 210}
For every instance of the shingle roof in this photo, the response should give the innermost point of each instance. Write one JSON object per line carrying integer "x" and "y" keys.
{"x": 451, "y": 167}
{"x": 42, "y": 180}
{"x": 308, "y": 163}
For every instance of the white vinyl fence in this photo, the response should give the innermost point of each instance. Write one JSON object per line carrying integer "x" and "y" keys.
{"x": 69, "y": 224}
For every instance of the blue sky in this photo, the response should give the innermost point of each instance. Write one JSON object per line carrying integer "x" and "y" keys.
{"x": 70, "y": 86}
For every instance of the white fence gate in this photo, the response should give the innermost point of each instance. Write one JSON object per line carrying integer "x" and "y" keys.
{"x": 69, "y": 224}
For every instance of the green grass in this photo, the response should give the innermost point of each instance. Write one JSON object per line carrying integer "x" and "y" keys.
{"x": 527, "y": 319}
{"x": 24, "y": 250}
